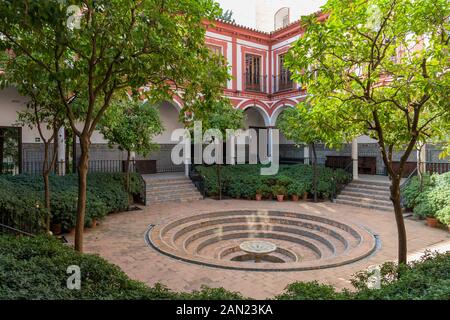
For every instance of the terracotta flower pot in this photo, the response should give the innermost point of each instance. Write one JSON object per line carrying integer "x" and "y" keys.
{"x": 295, "y": 197}
{"x": 432, "y": 222}
{"x": 94, "y": 223}
{"x": 280, "y": 197}
{"x": 258, "y": 197}
{"x": 305, "y": 196}
{"x": 56, "y": 228}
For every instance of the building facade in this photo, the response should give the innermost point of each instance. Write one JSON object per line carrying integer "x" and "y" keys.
{"x": 261, "y": 86}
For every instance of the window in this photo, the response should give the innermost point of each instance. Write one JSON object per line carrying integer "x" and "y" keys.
{"x": 252, "y": 76}
{"x": 281, "y": 18}
{"x": 283, "y": 80}
{"x": 215, "y": 49}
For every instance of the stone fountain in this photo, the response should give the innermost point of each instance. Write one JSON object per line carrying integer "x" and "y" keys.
{"x": 258, "y": 248}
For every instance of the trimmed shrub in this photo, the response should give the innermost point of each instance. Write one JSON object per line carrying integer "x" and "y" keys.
{"x": 22, "y": 197}
{"x": 35, "y": 268}
{"x": 434, "y": 200}
{"x": 243, "y": 181}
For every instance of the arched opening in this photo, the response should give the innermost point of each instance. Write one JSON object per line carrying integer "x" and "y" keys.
{"x": 169, "y": 114}
{"x": 289, "y": 151}
{"x": 281, "y": 18}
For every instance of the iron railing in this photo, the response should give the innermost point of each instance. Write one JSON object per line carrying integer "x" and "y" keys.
{"x": 437, "y": 167}
{"x": 255, "y": 83}
{"x": 198, "y": 180}
{"x": 283, "y": 82}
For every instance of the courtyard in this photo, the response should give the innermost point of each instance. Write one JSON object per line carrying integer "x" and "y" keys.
{"x": 120, "y": 239}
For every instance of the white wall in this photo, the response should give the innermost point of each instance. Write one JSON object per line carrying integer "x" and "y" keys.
{"x": 11, "y": 102}
{"x": 259, "y": 14}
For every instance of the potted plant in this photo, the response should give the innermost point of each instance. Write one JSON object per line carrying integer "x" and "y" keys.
{"x": 262, "y": 190}
{"x": 296, "y": 189}
{"x": 56, "y": 228}
{"x": 431, "y": 221}
{"x": 443, "y": 215}
{"x": 279, "y": 191}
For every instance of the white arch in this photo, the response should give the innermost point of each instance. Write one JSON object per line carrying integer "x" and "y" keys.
{"x": 261, "y": 111}
{"x": 278, "y": 111}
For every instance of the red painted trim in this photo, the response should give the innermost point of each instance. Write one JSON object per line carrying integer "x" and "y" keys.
{"x": 255, "y": 102}
{"x": 283, "y": 102}
{"x": 219, "y": 43}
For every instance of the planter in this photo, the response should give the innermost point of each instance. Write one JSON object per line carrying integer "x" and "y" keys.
{"x": 280, "y": 197}
{"x": 56, "y": 228}
{"x": 305, "y": 196}
{"x": 432, "y": 222}
{"x": 258, "y": 197}
{"x": 295, "y": 197}
{"x": 94, "y": 223}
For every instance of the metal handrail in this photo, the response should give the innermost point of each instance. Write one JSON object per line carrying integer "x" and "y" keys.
{"x": 16, "y": 230}
{"x": 405, "y": 184}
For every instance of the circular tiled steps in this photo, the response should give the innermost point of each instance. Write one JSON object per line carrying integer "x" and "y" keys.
{"x": 304, "y": 241}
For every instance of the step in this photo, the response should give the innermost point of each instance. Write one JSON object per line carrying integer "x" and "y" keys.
{"x": 368, "y": 186}
{"x": 171, "y": 190}
{"x": 169, "y": 186}
{"x": 178, "y": 192}
{"x": 363, "y": 205}
{"x": 366, "y": 200}
{"x": 158, "y": 183}
{"x": 373, "y": 183}
{"x": 374, "y": 196}
{"x": 173, "y": 196}
{"x": 187, "y": 229}
{"x": 179, "y": 200}
{"x": 367, "y": 191}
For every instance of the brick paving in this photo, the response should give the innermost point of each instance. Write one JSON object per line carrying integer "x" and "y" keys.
{"x": 120, "y": 239}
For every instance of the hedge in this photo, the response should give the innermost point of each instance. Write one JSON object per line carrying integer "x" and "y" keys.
{"x": 433, "y": 200}
{"x": 243, "y": 181}
{"x": 35, "y": 268}
{"x": 22, "y": 198}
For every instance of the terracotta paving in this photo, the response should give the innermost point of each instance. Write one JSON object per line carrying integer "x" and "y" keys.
{"x": 120, "y": 239}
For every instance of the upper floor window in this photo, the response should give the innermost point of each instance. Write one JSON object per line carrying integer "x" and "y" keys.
{"x": 282, "y": 18}
{"x": 254, "y": 80}
{"x": 283, "y": 79}
{"x": 215, "y": 49}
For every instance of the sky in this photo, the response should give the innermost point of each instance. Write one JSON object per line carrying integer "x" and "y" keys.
{"x": 259, "y": 13}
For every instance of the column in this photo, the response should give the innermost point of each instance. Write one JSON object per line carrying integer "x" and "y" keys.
{"x": 355, "y": 158}
{"x": 61, "y": 159}
{"x": 270, "y": 142}
{"x": 421, "y": 158}
{"x": 306, "y": 154}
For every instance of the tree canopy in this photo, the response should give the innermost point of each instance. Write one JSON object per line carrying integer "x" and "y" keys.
{"x": 380, "y": 68}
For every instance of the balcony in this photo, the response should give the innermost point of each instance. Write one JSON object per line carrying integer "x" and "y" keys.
{"x": 283, "y": 82}
{"x": 255, "y": 83}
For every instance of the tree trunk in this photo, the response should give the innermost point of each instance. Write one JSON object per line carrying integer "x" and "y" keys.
{"x": 127, "y": 171}
{"x": 219, "y": 181}
{"x": 82, "y": 185}
{"x": 45, "y": 174}
{"x": 401, "y": 230}
{"x": 313, "y": 147}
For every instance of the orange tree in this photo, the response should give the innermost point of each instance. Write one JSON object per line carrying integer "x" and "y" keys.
{"x": 91, "y": 49}
{"x": 381, "y": 68}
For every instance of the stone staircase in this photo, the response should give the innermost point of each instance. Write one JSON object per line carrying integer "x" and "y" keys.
{"x": 367, "y": 194}
{"x": 169, "y": 187}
